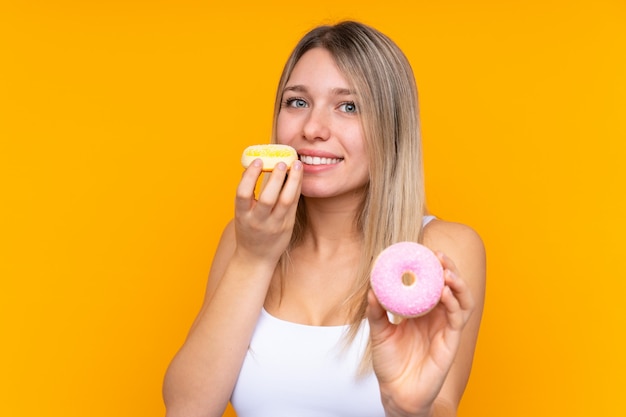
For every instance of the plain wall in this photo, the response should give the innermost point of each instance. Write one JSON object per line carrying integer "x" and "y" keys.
{"x": 121, "y": 128}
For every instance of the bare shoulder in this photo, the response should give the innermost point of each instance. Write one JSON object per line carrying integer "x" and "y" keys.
{"x": 459, "y": 242}
{"x": 442, "y": 235}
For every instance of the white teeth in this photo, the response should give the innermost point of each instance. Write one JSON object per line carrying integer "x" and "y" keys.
{"x": 316, "y": 160}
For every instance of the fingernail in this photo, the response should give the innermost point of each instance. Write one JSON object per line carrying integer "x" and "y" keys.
{"x": 297, "y": 165}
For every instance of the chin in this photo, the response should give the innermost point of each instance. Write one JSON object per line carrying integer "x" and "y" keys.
{"x": 321, "y": 191}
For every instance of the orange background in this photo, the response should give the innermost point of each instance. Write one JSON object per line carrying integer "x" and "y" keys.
{"x": 121, "y": 126}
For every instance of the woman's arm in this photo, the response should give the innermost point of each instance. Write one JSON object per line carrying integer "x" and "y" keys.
{"x": 465, "y": 247}
{"x": 423, "y": 364}
{"x": 202, "y": 375}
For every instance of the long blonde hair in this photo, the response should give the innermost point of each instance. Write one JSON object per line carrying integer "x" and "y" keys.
{"x": 393, "y": 205}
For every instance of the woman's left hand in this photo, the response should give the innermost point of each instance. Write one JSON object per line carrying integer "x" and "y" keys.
{"x": 412, "y": 359}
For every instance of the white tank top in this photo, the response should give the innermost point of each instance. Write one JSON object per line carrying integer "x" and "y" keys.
{"x": 295, "y": 370}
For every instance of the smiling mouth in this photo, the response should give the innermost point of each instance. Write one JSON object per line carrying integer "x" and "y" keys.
{"x": 317, "y": 160}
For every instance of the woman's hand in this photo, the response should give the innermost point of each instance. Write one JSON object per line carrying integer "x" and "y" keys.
{"x": 412, "y": 359}
{"x": 263, "y": 226}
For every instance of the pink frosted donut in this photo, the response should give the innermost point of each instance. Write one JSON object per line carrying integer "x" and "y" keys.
{"x": 407, "y": 279}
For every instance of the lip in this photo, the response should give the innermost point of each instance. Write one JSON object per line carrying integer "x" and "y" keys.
{"x": 318, "y": 153}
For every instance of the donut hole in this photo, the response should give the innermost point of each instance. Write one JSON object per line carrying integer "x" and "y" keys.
{"x": 408, "y": 278}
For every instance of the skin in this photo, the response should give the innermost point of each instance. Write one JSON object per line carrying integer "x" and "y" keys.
{"x": 422, "y": 364}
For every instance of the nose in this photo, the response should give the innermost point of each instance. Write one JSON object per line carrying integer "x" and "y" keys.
{"x": 317, "y": 125}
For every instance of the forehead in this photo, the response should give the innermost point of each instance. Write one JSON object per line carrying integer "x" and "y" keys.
{"x": 318, "y": 66}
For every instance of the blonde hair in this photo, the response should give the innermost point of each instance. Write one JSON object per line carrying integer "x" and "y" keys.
{"x": 393, "y": 205}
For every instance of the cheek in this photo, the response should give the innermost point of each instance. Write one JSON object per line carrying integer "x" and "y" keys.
{"x": 359, "y": 154}
{"x": 357, "y": 143}
{"x": 284, "y": 130}
{"x": 364, "y": 174}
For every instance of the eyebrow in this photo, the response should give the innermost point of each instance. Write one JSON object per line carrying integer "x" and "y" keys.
{"x": 339, "y": 91}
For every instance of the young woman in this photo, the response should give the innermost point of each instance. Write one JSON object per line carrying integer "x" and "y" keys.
{"x": 289, "y": 325}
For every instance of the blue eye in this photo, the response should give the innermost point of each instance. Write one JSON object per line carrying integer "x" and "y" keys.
{"x": 348, "y": 107}
{"x": 295, "y": 102}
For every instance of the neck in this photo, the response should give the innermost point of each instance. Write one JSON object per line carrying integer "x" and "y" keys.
{"x": 332, "y": 221}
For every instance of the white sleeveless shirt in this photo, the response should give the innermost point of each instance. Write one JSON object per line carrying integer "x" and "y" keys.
{"x": 296, "y": 370}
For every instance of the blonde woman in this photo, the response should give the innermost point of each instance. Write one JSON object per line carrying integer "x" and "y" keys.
{"x": 289, "y": 325}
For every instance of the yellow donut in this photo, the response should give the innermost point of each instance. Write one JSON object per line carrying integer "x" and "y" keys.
{"x": 270, "y": 154}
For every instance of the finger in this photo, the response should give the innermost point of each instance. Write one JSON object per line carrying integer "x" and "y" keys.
{"x": 290, "y": 193}
{"x": 247, "y": 184}
{"x": 377, "y": 316}
{"x": 269, "y": 194}
{"x": 460, "y": 290}
{"x": 454, "y": 294}
{"x": 446, "y": 262}
{"x": 455, "y": 282}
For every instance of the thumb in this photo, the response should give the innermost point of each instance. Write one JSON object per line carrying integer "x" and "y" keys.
{"x": 376, "y": 315}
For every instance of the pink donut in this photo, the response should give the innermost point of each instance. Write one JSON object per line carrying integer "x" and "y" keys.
{"x": 407, "y": 279}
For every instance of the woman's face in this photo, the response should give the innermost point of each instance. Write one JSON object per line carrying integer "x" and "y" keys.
{"x": 321, "y": 119}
